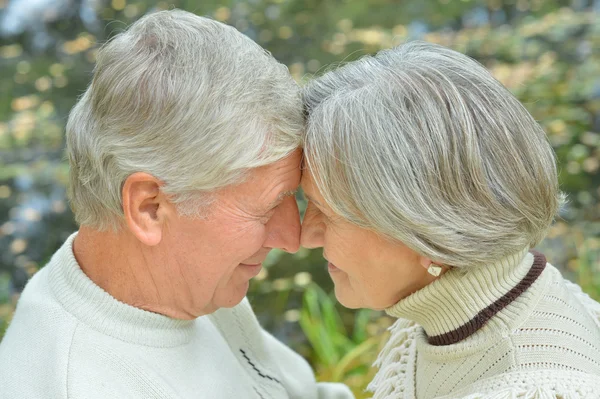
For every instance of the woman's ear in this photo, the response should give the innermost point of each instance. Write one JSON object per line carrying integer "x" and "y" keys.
{"x": 432, "y": 268}
{"x": 425, "y": 261}
{"x": 144, "y": 207}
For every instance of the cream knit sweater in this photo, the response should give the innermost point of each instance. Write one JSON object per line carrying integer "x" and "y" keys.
{"x": 70, "y": 339}
{"x": 508, "y": 330}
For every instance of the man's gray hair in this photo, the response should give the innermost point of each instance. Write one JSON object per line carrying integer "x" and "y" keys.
{"x": 422, "y": 145}
{"x": 186, "y": 99}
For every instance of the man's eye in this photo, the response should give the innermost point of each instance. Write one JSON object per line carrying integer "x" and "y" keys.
{"x": 267, "y": 216}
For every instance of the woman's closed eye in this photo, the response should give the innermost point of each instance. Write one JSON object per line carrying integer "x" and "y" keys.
{"x": 318, "y": 212}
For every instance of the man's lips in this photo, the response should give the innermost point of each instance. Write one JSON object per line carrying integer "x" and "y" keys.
{"x": 252, "y": 269}
{"x": 251, "y": 264}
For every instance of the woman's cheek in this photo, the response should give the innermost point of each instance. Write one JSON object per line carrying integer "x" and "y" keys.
{"x": 341, "y": 247}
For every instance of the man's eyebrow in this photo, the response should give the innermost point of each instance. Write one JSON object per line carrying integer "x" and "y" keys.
{"x": 282, "y": 195}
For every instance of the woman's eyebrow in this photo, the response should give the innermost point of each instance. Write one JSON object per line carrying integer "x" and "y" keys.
{"x": 311, "y": 199}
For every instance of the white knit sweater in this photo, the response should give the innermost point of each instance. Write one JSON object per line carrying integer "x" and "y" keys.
{"x": 70, "y": 339}
{"x": 544, "y": 344}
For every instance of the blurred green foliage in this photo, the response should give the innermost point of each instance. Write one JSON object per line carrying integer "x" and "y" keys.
{"x": 545, "y": 51}
{"x": 339, "y": 356}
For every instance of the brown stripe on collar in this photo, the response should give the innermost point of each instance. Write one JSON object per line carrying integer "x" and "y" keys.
{"x": 469, "y": 328}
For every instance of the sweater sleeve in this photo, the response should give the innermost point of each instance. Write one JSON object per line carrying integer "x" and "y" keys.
{"x": 290, "y": 362}
{"x": 264, "y": 355}
{"x": 533, "y": 393}
{"x": 549, "y": 384}
{"x": 331, "y": 390}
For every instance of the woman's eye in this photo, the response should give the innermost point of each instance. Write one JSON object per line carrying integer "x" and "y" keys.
{"x": 325, "y": 218}
{"x": 320, "y": 212}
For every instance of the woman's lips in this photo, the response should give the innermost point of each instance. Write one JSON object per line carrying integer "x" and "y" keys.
{"x": 331, "y": 268}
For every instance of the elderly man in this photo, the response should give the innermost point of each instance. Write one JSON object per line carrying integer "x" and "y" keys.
{"x": 183, "y": 154}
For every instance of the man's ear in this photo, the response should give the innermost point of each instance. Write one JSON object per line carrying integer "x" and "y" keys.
{"x": 144, "y": 207}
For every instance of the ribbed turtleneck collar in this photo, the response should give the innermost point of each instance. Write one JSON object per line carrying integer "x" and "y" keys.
{"x": 461, "y": 301}
{"x": 94, "y": 307}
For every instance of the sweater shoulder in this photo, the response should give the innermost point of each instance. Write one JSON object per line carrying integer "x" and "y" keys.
{"x": 34, "y": 351}
{"x": 562, "y": 332}
{"x": 559, "y": 336}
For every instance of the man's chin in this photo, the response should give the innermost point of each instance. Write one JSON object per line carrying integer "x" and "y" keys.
{"x": 233, "y": 297}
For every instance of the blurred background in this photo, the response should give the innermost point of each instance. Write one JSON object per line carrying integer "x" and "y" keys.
{"x": 546, "y": 51}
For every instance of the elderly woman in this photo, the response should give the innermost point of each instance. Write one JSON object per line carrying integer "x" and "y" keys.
{"x": 428, "y": 185}
{"x": 184, "y": 155}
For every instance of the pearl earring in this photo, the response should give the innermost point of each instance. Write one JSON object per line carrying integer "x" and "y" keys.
{"x": 434, "y": 270}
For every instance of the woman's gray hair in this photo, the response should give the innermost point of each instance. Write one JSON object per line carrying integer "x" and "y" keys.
{"x": 422, "y": 145}
{"x": 186, "y": 99}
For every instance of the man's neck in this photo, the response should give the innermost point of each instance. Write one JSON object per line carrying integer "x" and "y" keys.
{"x": 127, "y": 269}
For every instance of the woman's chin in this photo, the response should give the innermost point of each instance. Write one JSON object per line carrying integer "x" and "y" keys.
{"x": 347, "y": 299}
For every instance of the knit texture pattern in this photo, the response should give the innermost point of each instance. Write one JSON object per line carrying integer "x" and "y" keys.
{"x": 71, "y": 339}
{"x": 545, "y": 344}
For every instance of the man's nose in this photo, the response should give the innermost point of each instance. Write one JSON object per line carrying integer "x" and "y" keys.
{"x": 284, "y": 227}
